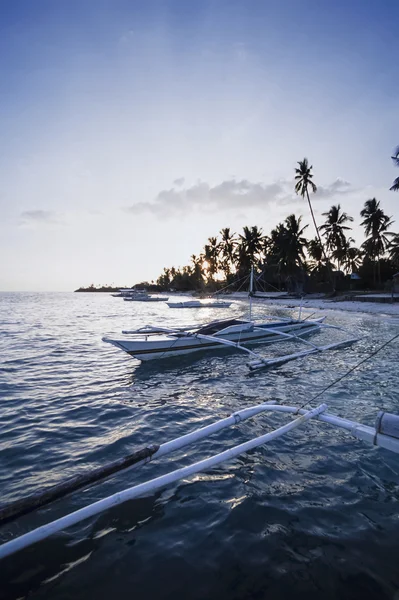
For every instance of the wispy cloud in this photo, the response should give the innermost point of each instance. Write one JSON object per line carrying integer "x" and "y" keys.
{"x": 202, "y": 196}
{"x": 331, "y": 191}
{"x": 229, "y": 194}
{"x": 29, "y": 217}
{"x": 336, "y": 188}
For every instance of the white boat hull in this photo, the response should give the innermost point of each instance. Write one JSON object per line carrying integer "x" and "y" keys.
{"x": 146, "y": 299}
{"x": 199, "y": 304}
{"x": 157, "y": 347}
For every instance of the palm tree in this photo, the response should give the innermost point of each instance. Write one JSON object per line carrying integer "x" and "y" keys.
{"x": 249, "y": 247}
{"x": 353, "y": 259}
{"x": 164, "y": 279}
{"x": 294, "y": 242}
{"x": 211, "y": 254}
{"x": 340, "y": 252}
{"x": 247, "y": 250}
{"x": 333, "y": 230}
{"x": 395, "y": 158}
{"x": 375, "y": 223}
{"x": 393, "y": 248}
{"x": 197, "y": 270}
{"x": 227, "y": 246}
{"x": 315, "y": 252}
{"x": 303, "y": 179}
{"x": 286, "y": 248}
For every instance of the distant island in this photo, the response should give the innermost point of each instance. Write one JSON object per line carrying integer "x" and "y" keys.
{"x": 150, "y": 287}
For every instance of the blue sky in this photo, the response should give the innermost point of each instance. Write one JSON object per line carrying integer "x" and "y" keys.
{"x": 132, "y": 131}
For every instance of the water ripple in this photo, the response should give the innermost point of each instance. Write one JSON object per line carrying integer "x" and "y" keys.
{"x": 314, "y": 513}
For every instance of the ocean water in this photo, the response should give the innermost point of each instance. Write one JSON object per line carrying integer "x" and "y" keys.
{"x": 313, "y": 514}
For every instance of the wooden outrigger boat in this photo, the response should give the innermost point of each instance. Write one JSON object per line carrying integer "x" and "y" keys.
{"x": 151, "y": 342}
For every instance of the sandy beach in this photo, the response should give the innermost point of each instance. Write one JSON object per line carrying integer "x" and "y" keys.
{"x": 376, "y": 308}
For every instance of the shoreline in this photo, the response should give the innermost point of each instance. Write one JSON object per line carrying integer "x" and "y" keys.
{"x": 349, "y": 306}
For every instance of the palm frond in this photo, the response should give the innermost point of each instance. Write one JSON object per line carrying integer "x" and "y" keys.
{"x": 395, "y": 186}
{"x": 395, "y": 156}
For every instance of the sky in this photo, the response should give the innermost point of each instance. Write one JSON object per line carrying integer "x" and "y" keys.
{"x": 134, "y": 130}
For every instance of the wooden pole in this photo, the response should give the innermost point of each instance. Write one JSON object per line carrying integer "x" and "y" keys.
{"x": 13, "y": 510}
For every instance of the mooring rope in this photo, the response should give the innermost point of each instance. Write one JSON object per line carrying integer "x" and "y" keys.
{"x": 229, "y": 285}
{"x": 350, "y": 371}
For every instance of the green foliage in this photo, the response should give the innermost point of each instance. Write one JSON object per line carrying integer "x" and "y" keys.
{"x": 376, "y": 224}
{"x": 286, "y": 259}
{"x": 334, "y": 231}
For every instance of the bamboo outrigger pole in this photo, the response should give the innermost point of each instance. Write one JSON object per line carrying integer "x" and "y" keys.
{"x": 153, "y": 485}
{"x": 13, "y": 510}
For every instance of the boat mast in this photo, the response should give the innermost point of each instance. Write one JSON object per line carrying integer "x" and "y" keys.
{"x": 251, "y": 287}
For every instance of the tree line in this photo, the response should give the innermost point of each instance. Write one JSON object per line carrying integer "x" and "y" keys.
{"x": 287, "y": 259}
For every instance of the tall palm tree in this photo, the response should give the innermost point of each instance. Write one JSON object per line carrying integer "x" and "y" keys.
{"x": 334, "y": 231}
{"x": 303, "y": 177}
{"x": 395, "y": 158}
{"x": 376, "y": 224}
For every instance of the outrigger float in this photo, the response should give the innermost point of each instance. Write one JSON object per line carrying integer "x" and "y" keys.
{"x": 385, "y": 434}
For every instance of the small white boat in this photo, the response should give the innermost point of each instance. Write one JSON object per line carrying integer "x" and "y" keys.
{"x": 137, "y": 295}
{"x": 144, "y": 297}
{"x": 127, "y": 292}
{"x": 200, "y": 304}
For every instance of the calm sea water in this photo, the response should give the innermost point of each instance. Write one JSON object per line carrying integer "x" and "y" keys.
{"x": 314, "y": 514}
